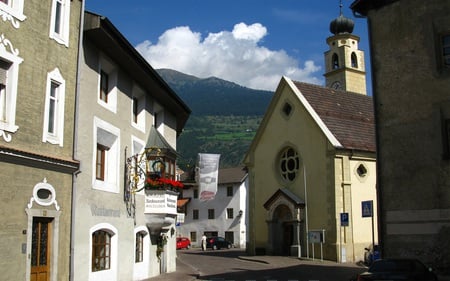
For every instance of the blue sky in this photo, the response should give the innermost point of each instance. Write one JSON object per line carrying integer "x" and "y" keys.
{"x": 250, "y": 42}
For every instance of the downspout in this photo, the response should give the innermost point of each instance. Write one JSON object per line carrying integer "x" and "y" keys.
{"x": 75, "y": 137}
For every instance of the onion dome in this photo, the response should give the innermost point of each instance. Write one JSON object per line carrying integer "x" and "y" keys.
{"x": 341, "y": 25}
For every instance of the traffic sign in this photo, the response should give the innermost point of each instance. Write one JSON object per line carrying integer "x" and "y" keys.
{"x": 344, "y": 219}
{"x": 367, "y": 209}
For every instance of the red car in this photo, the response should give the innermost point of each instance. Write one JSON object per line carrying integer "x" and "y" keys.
{"x": 183, "y": 243}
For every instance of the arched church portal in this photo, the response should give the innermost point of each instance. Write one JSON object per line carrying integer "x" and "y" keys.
{"x": 282, "y": 230}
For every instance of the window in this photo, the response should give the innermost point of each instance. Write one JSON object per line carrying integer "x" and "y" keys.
{"x": 446, "y": 138}
{"x": 107, "y": 81}
{"x": 230, "y": 191}
{"x": 229, "y": 236}
{"x": 9, "y": 72}
{"x": 12, "y": 10}
{"x": 195, "y": 193}
{"x": 211, "y": 215}
{"x": 106, "y": 156}
{"x": 334, "y": 61}
{"x": 446, "y": 50}
{"x": 361, "y": 171}
{"x": 104, "y": 86}
{"x": 100, "y": 162}
{"x": 138, "y": 108}
{"x": 4, "y": 67}
{"x": 287, "y": 109}
{"x": 101, "y": 250}
{"x": 289, "y": 164}
{"x": 230, "y": 214}
{"x": 354, "y": 60}
{"x": 195, "y": 214}
{"x": 54, "y": 109}
{"x": 135, "y": 109}
{"x": 193, "y": 236}
{"x": 59, "y": 22}
{"x": 139, "y": 251}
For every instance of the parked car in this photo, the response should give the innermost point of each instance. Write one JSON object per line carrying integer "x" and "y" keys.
{"x": 372, "y": 254}
{"x": 183, "y": 243}
{"x": 218, "y": 243}
{"x": 398, "y": 269}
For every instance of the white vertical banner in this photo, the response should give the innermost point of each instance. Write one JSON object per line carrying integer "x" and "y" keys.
{"x": 208, "y": 175}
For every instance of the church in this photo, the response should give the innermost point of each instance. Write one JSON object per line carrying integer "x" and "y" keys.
{"x": 312, "y": 164}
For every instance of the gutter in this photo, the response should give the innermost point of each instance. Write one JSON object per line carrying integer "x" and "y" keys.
{"x": 75, "y": 142}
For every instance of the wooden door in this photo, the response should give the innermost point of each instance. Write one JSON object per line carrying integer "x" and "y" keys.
{"x": 40, "y": 249}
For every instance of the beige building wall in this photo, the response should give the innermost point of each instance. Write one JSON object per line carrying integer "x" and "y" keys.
{"x": 27, "y": 159}
{"x": 411, "y": 92}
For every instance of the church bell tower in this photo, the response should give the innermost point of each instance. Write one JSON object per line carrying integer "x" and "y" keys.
{"x": 344, "y": 62}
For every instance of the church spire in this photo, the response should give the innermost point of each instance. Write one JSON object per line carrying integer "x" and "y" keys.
{"x": 344, "y": 62}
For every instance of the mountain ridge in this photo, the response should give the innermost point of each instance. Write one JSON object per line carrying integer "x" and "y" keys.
{"x": 216, "y": 96}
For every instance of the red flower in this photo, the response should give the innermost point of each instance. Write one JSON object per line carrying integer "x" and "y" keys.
{"x": 159, "y": 183}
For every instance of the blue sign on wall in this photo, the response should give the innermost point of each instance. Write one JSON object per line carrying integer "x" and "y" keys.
{"x": 367, "y": 209}
{"x": 344, "y": 219}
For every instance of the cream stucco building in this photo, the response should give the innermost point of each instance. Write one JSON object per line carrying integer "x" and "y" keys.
{"x": 312, "y": 164}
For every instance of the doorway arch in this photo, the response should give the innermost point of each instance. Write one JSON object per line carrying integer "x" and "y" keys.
{"x": 284, "y": 223}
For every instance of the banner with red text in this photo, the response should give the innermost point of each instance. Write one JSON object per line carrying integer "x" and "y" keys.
{"x": 208, "y": 175}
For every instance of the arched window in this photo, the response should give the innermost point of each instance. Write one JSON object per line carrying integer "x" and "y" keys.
{"x": 335, "y": 61}
{"x": 354, "y": 60}
{"x": 101, "y": 250}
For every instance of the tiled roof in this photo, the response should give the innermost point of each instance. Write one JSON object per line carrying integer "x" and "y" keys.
{"x": 232, "y": 175}
{"x": 349, "y": 116}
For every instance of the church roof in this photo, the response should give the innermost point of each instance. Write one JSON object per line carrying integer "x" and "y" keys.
{"x": 348, "y": 116}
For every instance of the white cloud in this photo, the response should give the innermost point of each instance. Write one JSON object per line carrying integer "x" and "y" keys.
{"x": 234, "y": 56}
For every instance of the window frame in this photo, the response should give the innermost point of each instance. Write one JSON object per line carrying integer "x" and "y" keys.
{"x": 107, "y": 67}
{"x": 195, "y": 214}
{"x": 287, "y": 174}
{"x": 230, "y": 213}
{"x": 230, "y": 191}
{"x": 109, "y": 136}
{"x": 97, "y": 247}
{"x": 211, "y": 214}
{"x": 100, "y": 163}
{"x": 138, "y": 108}
{"x": 57, "y": 136}
{"x": 13, "y": 11}
{"x": 139, "y": 247}
{"x": 60, "y": 21}
{"x": 10, "y": 55}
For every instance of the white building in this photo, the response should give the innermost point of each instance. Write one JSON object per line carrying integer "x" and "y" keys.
{"x": 124, "y": 107}
{"x": 224, "y": 216}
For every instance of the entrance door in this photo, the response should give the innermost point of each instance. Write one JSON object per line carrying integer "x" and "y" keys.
{"x": 40, "y": 249}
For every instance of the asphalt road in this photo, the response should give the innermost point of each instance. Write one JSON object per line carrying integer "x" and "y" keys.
{"x": 235, "y": 265}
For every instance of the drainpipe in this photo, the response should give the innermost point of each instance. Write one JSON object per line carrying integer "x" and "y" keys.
{"x": 306, "y": 212}
{"x": 75, "y": 137}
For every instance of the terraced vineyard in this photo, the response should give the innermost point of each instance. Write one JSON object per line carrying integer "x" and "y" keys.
{"x": 229, "y": 136}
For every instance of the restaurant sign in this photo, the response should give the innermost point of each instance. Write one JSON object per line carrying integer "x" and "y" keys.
{"x": 160, "y": 202}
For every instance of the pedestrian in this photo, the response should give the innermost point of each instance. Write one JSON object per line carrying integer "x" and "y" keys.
{"x": 204, "y": 242}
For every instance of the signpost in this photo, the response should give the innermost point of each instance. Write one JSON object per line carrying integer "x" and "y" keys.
{"x": 367, "y": 212}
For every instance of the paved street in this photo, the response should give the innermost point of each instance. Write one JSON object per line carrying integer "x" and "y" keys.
{"x": 235, "y": 265}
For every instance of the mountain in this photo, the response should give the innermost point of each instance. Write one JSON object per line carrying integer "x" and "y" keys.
{"x": 224, "y": 118}
{"x": 214, "y": 96}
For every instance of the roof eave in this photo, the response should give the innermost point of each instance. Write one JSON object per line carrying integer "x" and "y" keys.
{"x": 100, "y": 31}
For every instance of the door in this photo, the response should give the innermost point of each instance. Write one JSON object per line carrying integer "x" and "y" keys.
{"x": 40, "y": 249}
